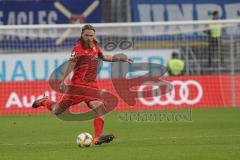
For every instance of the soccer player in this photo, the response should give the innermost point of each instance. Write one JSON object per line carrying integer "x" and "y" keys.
{"x": 84, "y": 76}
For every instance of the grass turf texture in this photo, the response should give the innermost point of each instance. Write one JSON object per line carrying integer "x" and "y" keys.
{"x": 211, "y": 134}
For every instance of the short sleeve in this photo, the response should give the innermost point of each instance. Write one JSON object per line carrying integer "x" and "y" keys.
{"x": 73, "y": 56}
{"x": 76, "y": 52}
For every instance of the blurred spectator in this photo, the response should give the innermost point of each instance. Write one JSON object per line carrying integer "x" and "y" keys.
{"x": 176, "y": 65}
{"x": 214, "y": 41}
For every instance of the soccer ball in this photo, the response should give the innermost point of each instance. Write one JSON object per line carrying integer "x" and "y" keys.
{"x": 84, "y": 139}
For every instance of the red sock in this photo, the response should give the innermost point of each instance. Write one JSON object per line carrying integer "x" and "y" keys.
{"x": 98, "y": 126}
{"x": 49, "y": 104}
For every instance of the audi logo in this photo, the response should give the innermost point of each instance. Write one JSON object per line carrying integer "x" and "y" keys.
{"x": 183, "y": 92}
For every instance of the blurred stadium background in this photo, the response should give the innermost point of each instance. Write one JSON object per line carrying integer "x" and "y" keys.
{"x": 36, "y": 36}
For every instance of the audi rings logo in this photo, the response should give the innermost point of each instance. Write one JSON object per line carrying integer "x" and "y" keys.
{"x": 184, "y": 92}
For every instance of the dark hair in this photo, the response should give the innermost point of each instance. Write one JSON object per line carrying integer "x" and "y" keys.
{"x": 175, "y": 54}
{"x": 89, "y": 27}
{"x": 214, "y": 13}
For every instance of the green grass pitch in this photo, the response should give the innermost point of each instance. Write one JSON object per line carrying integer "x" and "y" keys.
{"x": 209, "y": 134}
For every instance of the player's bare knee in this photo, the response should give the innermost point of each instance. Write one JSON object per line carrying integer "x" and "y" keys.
{"x": 95, "y": 104}
{"x": 98, "y": 107}
{"x": 57, "y": 110}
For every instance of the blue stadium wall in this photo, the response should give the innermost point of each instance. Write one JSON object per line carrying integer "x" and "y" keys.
{"x": 44, "y": 12}
{"x": 172, "y": 10}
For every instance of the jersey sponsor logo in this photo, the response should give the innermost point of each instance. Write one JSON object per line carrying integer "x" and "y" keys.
{"x": 73, "y": 53}
{"x": 184, "y": 92}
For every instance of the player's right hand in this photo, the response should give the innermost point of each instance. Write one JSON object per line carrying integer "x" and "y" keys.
{"x": 62, "y": 88}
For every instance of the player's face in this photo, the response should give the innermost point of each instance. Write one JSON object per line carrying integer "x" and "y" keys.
{"x": 88, "y": 35}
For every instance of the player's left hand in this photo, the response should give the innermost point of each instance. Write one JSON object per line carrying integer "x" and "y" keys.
{"x": 129, "y": 60}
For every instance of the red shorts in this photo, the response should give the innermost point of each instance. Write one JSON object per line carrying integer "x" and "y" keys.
{"x": 78, "y": 99}
{"x": 73, "y": 96}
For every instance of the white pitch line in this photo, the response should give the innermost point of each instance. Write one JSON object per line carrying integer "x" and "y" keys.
{"x": 117, "y": 139}
{"x": 192, "y": 137}
{"x": 36, "y": 143}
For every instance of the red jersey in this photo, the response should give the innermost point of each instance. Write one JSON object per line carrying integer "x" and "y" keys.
{"x": 86, "y": 68}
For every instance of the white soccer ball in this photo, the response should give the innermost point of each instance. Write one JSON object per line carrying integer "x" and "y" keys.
{"x": 84, "y": 139}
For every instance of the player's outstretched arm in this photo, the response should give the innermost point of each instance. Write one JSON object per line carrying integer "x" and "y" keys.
{"x": 69, "y": 68}
{"x": 110, "y": 58}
